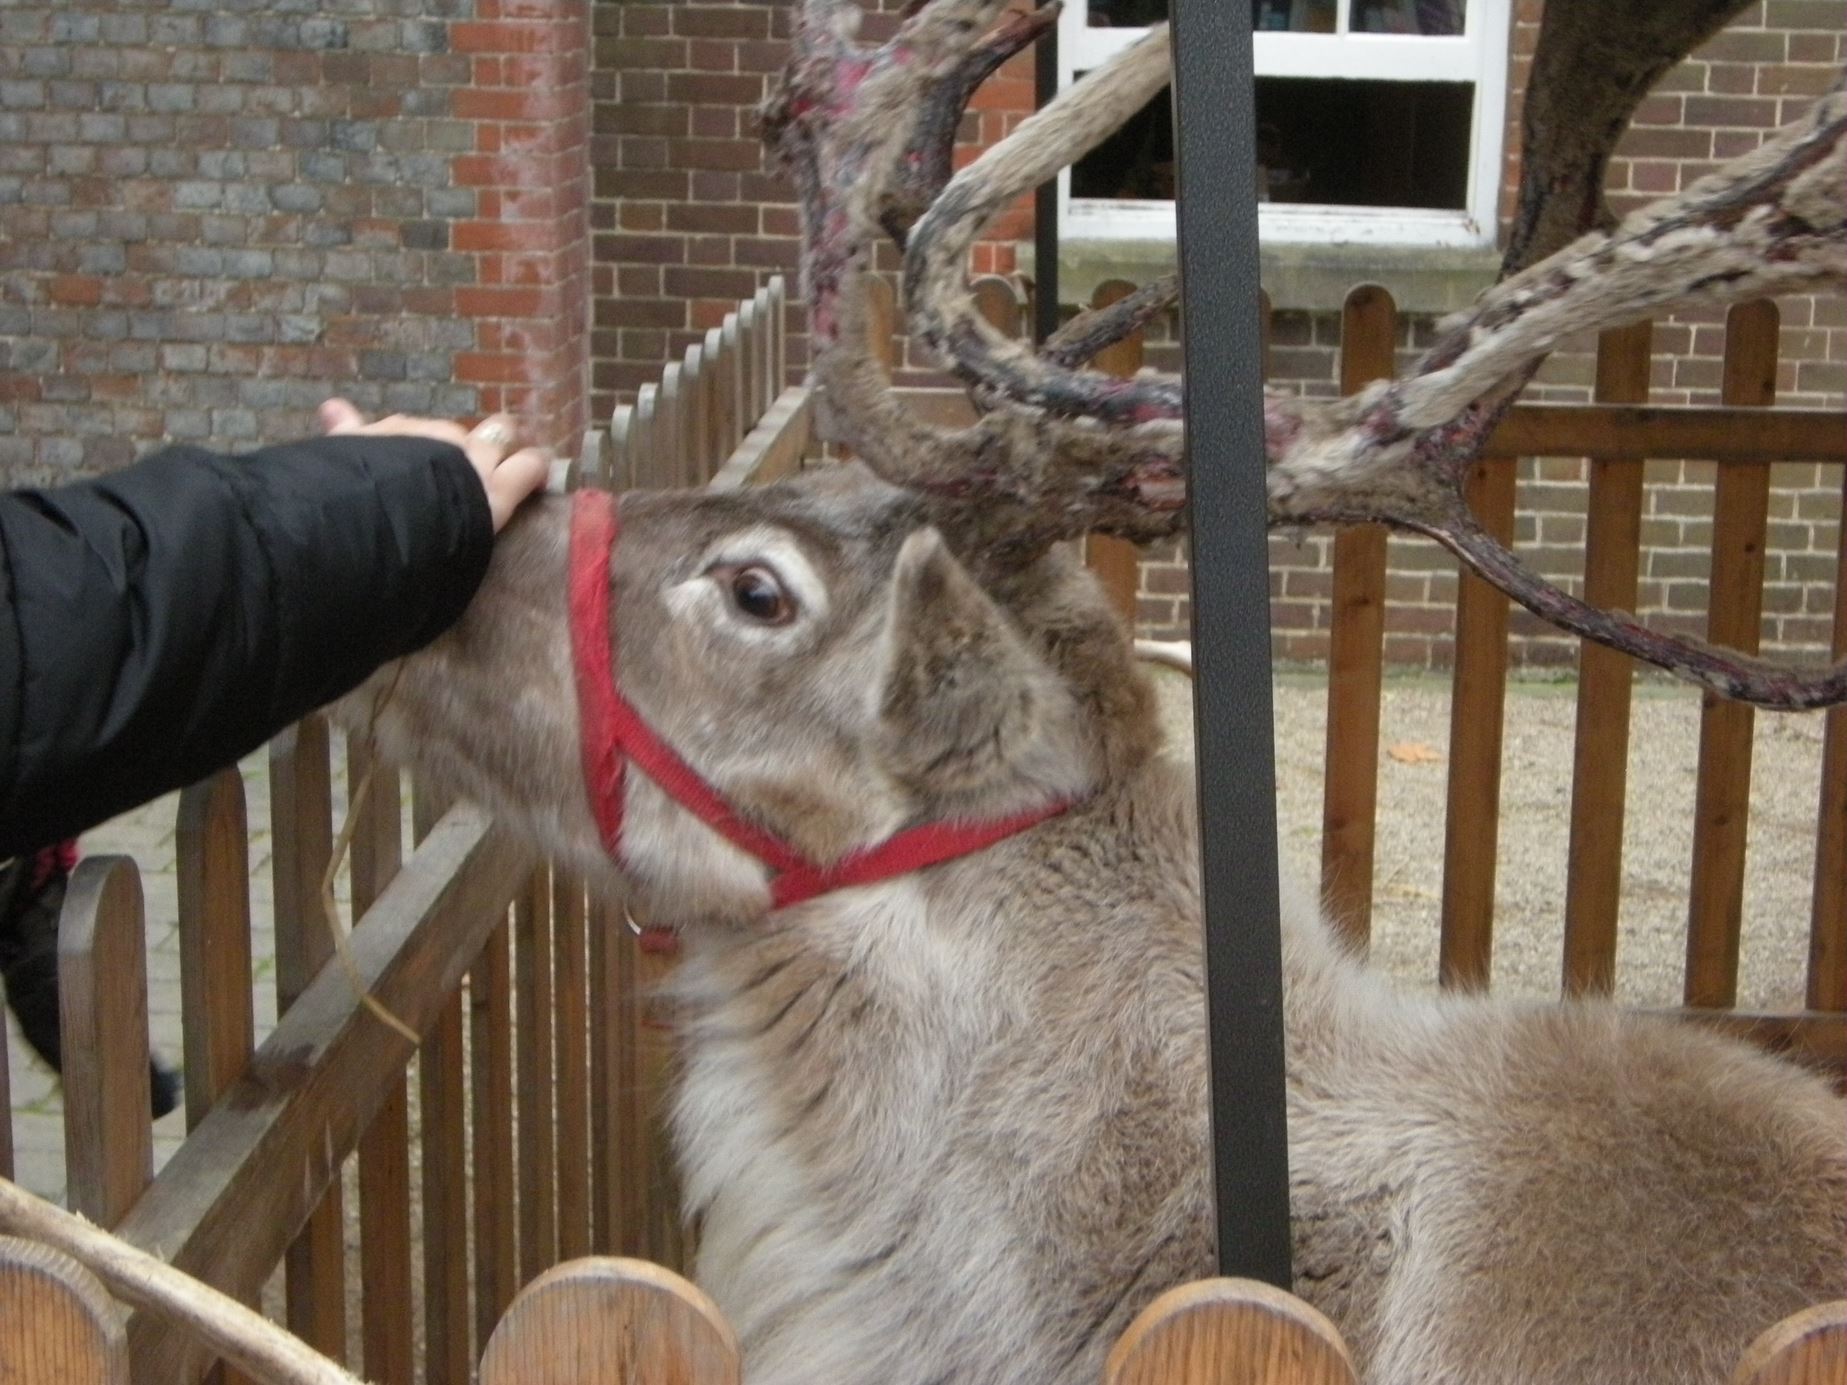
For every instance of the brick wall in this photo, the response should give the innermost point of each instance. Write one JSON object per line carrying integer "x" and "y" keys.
{"x": 213, "y": 217}
{"x": 689, "y": 213}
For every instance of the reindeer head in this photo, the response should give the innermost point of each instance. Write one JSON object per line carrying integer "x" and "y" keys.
{"x": 829, "y": 654}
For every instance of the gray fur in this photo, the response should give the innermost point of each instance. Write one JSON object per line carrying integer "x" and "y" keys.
{"x": 953, "y": 1127}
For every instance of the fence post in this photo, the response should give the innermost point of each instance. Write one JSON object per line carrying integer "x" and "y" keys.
{"x": 569, "y": 975}
{"x": 301, "y": 818}
{"x": 607, "y": 1321}
{"x": 738, "y": 420}
{"x": 1219, "y": 1331}
{"x": 443, "y": 1100}
{"x": 776, "y": 298}
{"x": 1471, "y": 827}
{"x": 1827, "y": 983}
{"x": 642, "y": 440}
{"x": 1600, "y": 755}
{"x": 389, "y": 1346}
{"x": 538, "y": 1174}
{"x": 213, "y": 868}
{"x": 58, "y": 1325}
{"x": 750, "y": 350}
{"x": 1722, "y": 800}
{"x": 1356, "y": 644}
{"x": 615, "y": 1173}
{"x": 490, "y": 1071}
{"x": 1806, "y": 1348}
{"x": 103, "y": 1027}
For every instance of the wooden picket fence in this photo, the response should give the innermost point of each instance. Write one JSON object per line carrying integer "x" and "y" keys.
{"x": 608, "y": 1321}
{"x": 529, "y": 1146}
{"x": 532, "y": 1126}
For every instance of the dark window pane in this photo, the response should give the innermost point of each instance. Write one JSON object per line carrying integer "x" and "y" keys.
{"x": 1426, "y": 17}
{"x": 1295, "y": 16}
{"x": 1126, "y": 14}
{"x": 1319, "y": 140}
{"x": 1364, "y": 144}
{"x": 1136, "y": 164}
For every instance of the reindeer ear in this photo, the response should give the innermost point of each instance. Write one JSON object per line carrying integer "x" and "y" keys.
{"x": 962, "y": 690}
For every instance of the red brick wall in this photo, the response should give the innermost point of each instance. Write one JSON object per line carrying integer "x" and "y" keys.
{"x": 689, "y": 213}
{"x": 212, "y": 219}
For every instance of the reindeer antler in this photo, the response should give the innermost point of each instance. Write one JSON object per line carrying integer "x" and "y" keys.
{"x": 1060, "y": 450}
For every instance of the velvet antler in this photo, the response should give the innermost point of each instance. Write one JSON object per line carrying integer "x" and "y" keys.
{"x": 867, "y": 133}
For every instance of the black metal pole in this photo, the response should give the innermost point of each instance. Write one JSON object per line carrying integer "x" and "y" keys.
{"x": 1045, "y": 199}
{"x": 1217, "y": 203}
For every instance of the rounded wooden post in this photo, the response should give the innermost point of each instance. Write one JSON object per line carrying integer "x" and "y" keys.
{"x": 103, "y": 1008}
{"x": 1356, "y": 650}
{"x": 1722, "y": 797}
{"x": 213, "y": 866}
{"x": 607, "y": 1321}
{"x": 1229, "y": 1332}
{"x": 1600, "y": 765}
{"x": 58, "y": 1326}
{"x": 1806, "y": 1348}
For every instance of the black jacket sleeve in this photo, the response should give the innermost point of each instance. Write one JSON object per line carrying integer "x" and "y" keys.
{"x": 160, "y": 622}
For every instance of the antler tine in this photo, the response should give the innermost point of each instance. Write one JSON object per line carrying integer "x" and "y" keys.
{"x": 1080, "y": 339}
{"x": 929, "y": 160}
{"x": 1772, "y": 221}
{"x": 937, "y": 302}
{"x": 857, "y": 128}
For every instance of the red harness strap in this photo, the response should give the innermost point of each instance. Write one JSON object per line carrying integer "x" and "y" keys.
{"x": 612, "y": 733}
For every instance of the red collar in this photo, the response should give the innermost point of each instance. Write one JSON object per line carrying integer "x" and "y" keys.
{"x": 614, "y": 733}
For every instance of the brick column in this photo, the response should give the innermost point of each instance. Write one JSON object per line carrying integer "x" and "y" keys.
{"x": 211, "y": 220}
{"x": 529, "y": 100}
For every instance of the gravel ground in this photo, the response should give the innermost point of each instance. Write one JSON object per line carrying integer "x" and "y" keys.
{"x": 1535, "y": 806}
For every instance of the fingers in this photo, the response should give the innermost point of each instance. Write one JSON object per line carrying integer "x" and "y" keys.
{"x": 497, "y": 430}
{"x": 509, "y": 476}
{"x": 338, "y": 416}
{"x": 508, "y": 484}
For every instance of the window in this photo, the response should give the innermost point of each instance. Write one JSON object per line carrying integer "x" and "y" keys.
{"x": 1378, "y": 121}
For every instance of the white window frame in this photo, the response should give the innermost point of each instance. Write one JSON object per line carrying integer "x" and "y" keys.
{"x": 1479, "y": 56}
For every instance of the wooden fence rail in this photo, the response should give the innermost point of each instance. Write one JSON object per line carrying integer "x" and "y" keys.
{"x": 521, "y": 988}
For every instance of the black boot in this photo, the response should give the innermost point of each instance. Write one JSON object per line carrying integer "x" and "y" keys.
{"x": 31, "y": 896}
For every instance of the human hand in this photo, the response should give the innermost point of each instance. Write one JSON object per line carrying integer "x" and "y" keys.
{"x": 508, "y": 476}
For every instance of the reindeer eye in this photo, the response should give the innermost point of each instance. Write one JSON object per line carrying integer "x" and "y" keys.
{"x": 757, "y": 594}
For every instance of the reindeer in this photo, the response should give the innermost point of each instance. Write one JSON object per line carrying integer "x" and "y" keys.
{"x": 873, "y": 741}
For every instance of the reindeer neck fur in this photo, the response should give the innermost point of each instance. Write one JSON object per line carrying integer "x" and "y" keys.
{"x": 982, "y": 1089}
{"x": 954, "y": 1127}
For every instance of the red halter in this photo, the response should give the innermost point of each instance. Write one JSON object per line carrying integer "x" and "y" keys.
{"x": 613, "y": 733}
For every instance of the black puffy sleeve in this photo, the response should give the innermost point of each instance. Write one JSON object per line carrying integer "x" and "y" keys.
{"x": 160, "y": 622}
